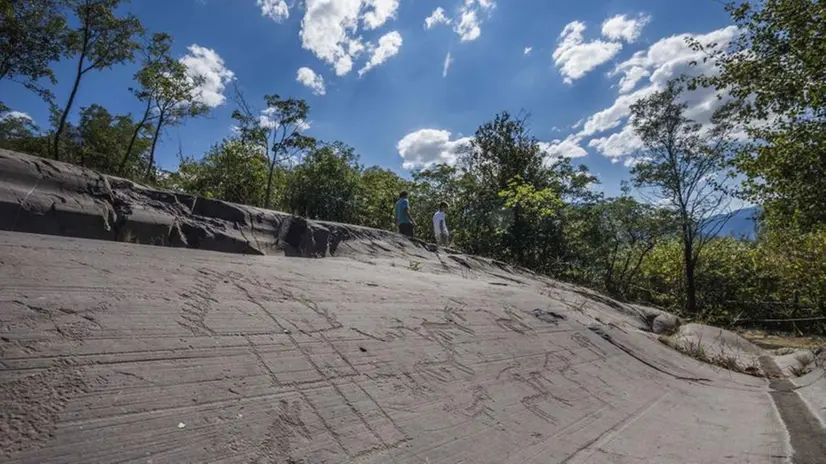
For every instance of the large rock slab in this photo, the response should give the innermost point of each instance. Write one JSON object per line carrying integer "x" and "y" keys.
{"x": 115, "y": 352}
{"x": 718, "y": 347}
{"x": 42, "y": 196}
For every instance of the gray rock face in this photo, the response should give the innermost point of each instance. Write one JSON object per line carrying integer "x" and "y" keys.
{"x": 42, "y": 196}
{"x": 665, "y": 323}
{"x": 393, "y": 351}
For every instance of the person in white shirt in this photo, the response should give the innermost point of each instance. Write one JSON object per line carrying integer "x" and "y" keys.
{"x": 440, "y": 226}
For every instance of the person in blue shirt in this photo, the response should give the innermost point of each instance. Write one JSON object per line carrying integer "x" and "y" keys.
{"x": 403, "y": 218}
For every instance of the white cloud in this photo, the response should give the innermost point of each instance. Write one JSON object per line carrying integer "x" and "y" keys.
{"x": 389, "y": 45}
{"x": 330, "y": 28}
{"x": 15, "y": 115}
{"x": 327, "y": 27}
{"x": 621, "y": 27}
{"x": 664, "y": 60}
{"x": 448, "y": 62}
{"x": 612, "y": 116}
{"x": 308, "y": 78}
{"x": 623, "y": 143}
{"x": 437, "y": 17}
{"x": 568, "y": 148}
{"x": 276, "y": 10}
{"x": 267, "y": 119}
{"x": 575, "y": 57}
{"x": 468, "y": 27}
{"x": 528, "y": 50}
{"x": 379, "y": 12}
{"x": 632, "y": 76}
{"x": 205, "y": 62}
{"x": 426, "y": 147}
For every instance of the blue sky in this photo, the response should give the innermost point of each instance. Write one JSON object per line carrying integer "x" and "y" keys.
{"x": 588, "y": 61}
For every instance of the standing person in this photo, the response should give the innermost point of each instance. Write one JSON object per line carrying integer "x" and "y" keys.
{"x": 403, "y": 218}
{"x": 440, "y": 226}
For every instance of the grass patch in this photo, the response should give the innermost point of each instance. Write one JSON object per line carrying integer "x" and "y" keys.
{"x": 415, "y": 265}
{"x": 773, "y": 341}
{"x": 128, "y": 237}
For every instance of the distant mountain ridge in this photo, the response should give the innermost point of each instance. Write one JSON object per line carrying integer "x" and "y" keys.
{"x": 743, "y": 223}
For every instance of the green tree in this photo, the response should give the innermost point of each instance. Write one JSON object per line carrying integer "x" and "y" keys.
{"x": 679, "y": 165}
{"x": 31, "y": 38}
{"x": 100, "y": 41}
{"x": 776, "y": 71}
{"x": 174, "y": 97}
{"x": 20, "y": 133}
{"x": 436, "y": 184}
{"x": 325, "y": 185}
{"x": 501, "y": 151}
{"x": 378, "y": 192}
{"x": 629, "y": 232}
{"x": 157, "y": 62}
{"x": 277, "y": 130}
{"x": 99, "y": 137}
{"x": 231, "y": 171}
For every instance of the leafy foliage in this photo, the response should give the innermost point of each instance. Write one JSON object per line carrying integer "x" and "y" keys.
{"x": 31, "y": 39}
{"x": 169, "y": 92}
{"x": 101, "y": 40}
{"x": 680, "y": 163}
{"x": 277, "y": 129}
{"x": 325, "y": 185}
{"x": 378, "y": 191}
{"x": 776, "y": 72}
{"x": 231, "y": 171}
{"x": 99, "y": 137}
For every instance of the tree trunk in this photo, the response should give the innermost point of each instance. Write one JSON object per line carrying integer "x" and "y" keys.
{"x": 154, "y": 143}
{"x": 62, "y": 124}
{"x": 630, "y": 277}
{"x": 134, "y": 138}
{"x": 269, "y": 185}
{"x": 690, "y": 286}
{"x": 608, "y": 280}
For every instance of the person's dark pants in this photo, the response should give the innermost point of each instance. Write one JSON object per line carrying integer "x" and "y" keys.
{"x": 406, "y": 229}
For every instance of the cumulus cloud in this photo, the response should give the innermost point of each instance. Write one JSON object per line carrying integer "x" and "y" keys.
{"x": 276, "y": 10}
{"x": 379, "y": 12}
{"x": 15, "y": 115}
{"x": 575, "y": 58}
{"x": 308, "y": 78}
{"x": 568, "y": 148}
{"x": 632, "y": 77}
{"x": 612, "y": 116}
{"x": 664, "y": 60}
{"x": 470, "y": 20}
{"x": 268, "y": 119}
{"x": 621, "y": 27}
{"x": 389, "y": 46}
{"x": 426, "y": 147}
{"x": 437, "y": 17}
{"x": 623, "y": 143}
{"x": 468, "y": 26}
{"x": 206, "y": 63}
{"x": 446, "y": 67}
{"x": 330, "y": 28}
